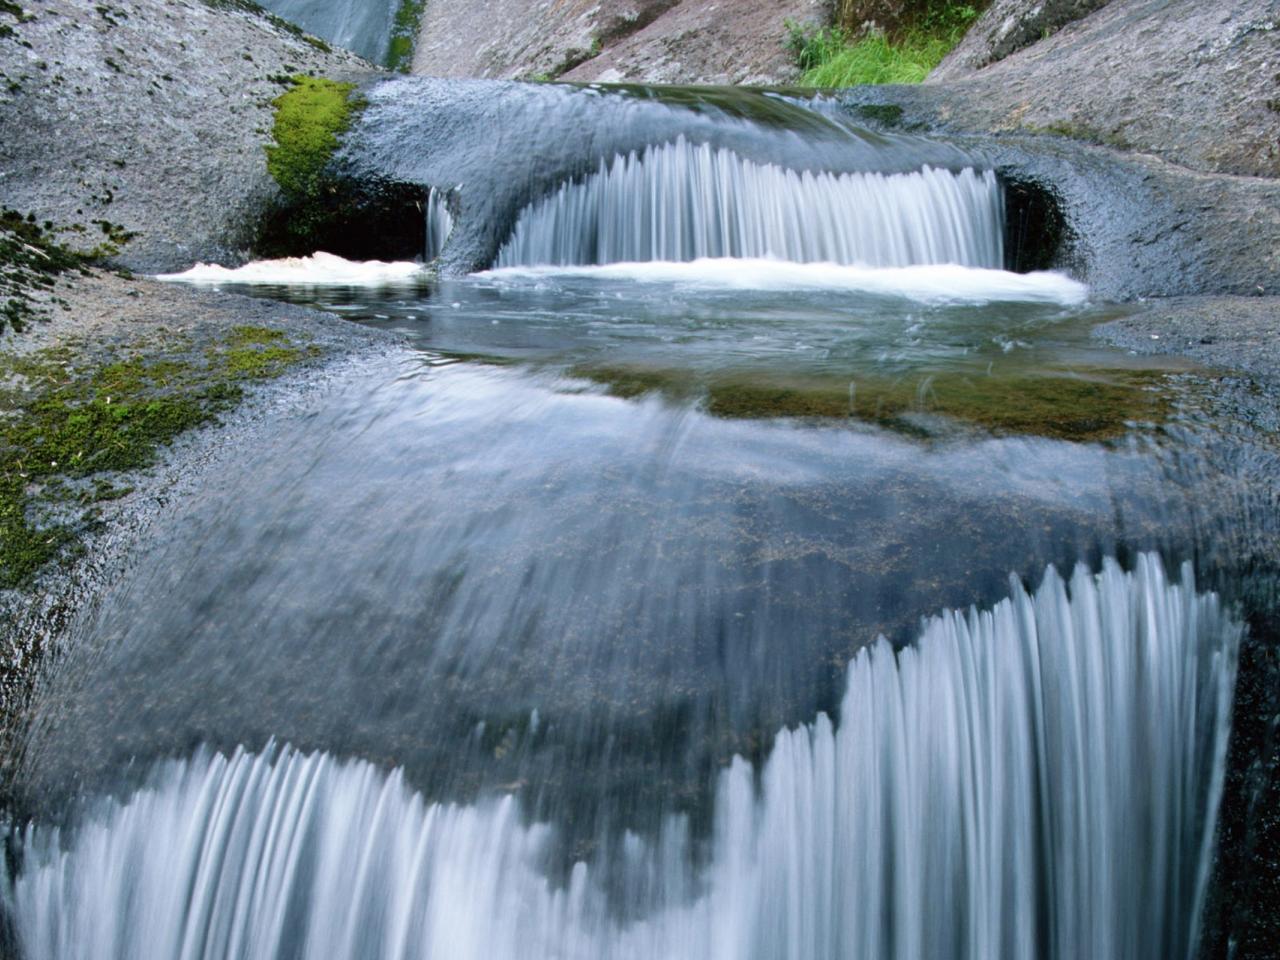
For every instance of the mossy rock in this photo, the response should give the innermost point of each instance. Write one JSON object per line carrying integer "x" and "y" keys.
{"x": 321, "y": 207}
{"x": 310, "y": 117}
{"x": 30, "y": 262}
{"x": 68, "y": 428}
{"x": 404, "y": 35}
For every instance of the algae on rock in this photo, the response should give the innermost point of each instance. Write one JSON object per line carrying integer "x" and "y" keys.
{"x": 69, "y": 427}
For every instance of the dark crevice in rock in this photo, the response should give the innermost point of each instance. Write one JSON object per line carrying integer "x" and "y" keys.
{"x": 1241, "y": 921}
{"x": 1036, "y": 236}
{"x": 360, "y": 220}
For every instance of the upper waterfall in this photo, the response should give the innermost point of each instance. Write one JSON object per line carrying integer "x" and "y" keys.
{"x": 363, "y": 26}
{"x": 682, "y": 201}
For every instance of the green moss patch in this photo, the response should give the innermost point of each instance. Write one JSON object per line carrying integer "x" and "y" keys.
{"x": 67, "y": 429}
{"x": 310, "y": 117}
{"x": 404, "y": 35}
{"x": 1064, "y": 405}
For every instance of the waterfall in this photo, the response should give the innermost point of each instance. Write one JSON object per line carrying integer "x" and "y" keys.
{"x": 684, "y": 202}
{"x": 363, "y": 26}
{"x": 1037, "y": 780}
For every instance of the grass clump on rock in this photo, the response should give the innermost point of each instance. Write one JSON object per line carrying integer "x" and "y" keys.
{"x": 841, "y": 57}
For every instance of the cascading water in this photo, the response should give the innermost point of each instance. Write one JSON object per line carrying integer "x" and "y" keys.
{"x": 682, "y": 201}
{"x": 439, "y": 223}
{"x": 363, "y": 26}
{"x": 563, "y": 602}
{"x": 1034, "y": 781}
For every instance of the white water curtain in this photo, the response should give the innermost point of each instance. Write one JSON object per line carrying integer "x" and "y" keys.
{"x": 681, "y": 202}
{"x": 1036, "y": 781}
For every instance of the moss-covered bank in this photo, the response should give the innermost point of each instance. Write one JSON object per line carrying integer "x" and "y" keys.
{"x": 75, "y": 418}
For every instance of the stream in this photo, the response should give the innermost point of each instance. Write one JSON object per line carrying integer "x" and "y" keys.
{"x": 743, "y": 564}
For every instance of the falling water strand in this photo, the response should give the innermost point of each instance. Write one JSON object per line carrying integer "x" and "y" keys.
{"x": 439, "y": 223}
{"x": 684, "y": 202}
{"x": 1038, "y": 780}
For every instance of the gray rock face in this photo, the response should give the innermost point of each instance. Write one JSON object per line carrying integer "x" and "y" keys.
{"x": 149, "y": 114}
{"x": 1008, "y": 26}
{"x": 653, "y": 41}
{"x": 726, "y": 42}
{"x": 1191, "y": 82}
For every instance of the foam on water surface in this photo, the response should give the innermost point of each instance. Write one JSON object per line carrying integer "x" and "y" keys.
{"x": 318, "y": 270}
{"x": 933, "y": 283}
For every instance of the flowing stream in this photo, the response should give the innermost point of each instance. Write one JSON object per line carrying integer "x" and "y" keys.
{"x": 745, "y": 564}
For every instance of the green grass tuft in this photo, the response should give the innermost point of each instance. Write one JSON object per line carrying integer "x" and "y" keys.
{"x": 832, "y": 58}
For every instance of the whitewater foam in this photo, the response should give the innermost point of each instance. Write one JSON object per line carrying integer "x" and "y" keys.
{"x": 318, "y": 270}
{"x": 933, "y": 283}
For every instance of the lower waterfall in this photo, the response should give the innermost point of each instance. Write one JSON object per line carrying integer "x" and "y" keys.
{"x": 684, "y": 202}
{"x": 1037, "y": 780}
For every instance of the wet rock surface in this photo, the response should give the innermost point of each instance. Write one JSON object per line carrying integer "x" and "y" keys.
{"x": 149, "y": 116}
{"x": 102, "y": 315}
{"x": 1238, "y": 333}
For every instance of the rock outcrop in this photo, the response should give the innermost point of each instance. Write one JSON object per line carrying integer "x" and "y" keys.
{"x": 149, "y": 116}
{"x": 651, "y": 41}
{"x": 1006, "y": 27}
{"x": 1191, "y": 82}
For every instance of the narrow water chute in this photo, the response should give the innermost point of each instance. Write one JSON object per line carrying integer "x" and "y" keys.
{"x": 439, "y": 223}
